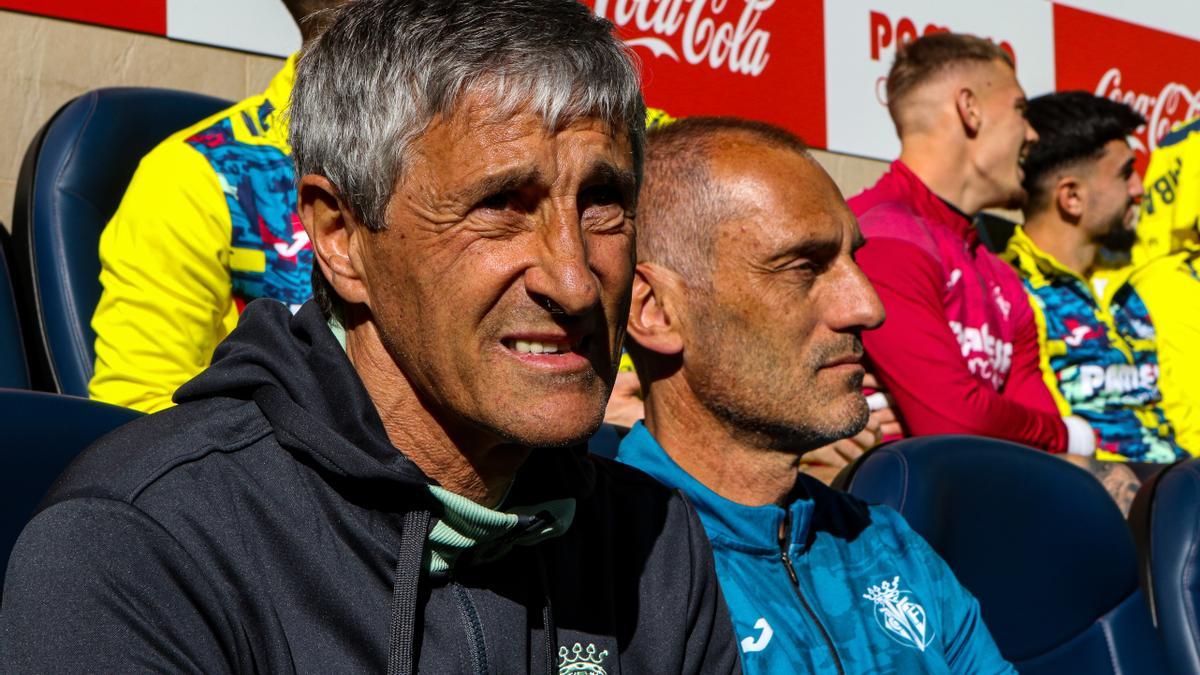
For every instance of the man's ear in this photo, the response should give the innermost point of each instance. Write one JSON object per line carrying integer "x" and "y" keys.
{"x": 331, "y": 229}
{"x": 654, "y": 311}
{"x": 1070, "y": 194}
{"x": 969, "y": 111}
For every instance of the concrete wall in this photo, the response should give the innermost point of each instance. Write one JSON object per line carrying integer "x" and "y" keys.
{"x": 852, "y": 174}
{"x": 47, "y": 62}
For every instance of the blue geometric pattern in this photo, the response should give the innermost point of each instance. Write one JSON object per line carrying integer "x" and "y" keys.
{"x": 1107, "y": 365}
{"x": 259, "y": 186}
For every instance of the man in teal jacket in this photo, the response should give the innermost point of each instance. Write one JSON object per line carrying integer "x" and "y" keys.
{"x": 746, "y": 321}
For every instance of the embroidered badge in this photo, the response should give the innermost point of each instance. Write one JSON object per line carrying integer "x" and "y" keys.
{"x": 580, "y": 660}
{"x": 899, "y": 615}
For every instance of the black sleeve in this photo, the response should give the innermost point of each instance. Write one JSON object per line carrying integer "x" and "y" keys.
{"x": 711, "y": 645}
{"x": 95, "y": 585}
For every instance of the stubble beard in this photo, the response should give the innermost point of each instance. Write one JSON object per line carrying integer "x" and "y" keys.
{"x": 746, "y": 396}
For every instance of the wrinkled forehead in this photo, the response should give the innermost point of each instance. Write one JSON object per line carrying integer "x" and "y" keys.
{"x": 484, "y": 111}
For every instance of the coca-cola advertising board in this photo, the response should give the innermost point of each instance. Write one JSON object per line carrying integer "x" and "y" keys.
{"x": 143, "y": 16}
{"x": 814, "y": 66}
{"x": 860, "y": 43}
{"x": 1155, "y": 72}
{"x": 761, "y": 59}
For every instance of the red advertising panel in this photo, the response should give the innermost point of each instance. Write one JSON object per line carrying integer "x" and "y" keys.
{"x": 761, "y": 59}
{"x": 145, "y": 16}
{"x": 1152, "y": 71}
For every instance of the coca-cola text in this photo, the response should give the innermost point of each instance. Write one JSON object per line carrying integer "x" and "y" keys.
{"x": 696, "y": 31}
{"x": 1174, "y": 103}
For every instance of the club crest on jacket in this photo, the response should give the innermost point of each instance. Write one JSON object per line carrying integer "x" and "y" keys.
{"x": 899, "y": 615}
{"x": 581, "y": 661}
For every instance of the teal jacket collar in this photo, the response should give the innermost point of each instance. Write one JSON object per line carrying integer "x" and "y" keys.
{"x": 754, "y": 529}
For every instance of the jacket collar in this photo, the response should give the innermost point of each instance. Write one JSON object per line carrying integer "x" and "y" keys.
{"x": 751, "y": 528}
{"x": 930, "y": 206}
{"x": 1042, "y": 268}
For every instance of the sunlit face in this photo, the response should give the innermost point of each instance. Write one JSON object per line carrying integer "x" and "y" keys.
{"x": 774, "y": 347}
{"x": 1114, "y": 191}
{"x": 1004, "y": 135}
{"x": 501, "y": 284}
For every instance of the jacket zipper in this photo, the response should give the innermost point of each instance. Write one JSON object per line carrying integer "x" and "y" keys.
{"x": 787, "y": 565}
{"x": 474, "y": 628}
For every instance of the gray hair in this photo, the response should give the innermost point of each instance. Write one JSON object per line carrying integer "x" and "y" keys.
{"x": 383, "y": 70}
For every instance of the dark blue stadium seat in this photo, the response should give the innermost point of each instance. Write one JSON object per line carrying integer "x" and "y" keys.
{"x": 1038, "y": 542}
{"x": 72, "y": 179}
{"x": 1166, "y": 524}
{"x": 40, "y": 434}
{"x": 14, "y": 373}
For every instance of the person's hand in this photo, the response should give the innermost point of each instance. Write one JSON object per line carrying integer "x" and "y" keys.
{"x": 882, "y": 403}
{"x": 625, "y": 405}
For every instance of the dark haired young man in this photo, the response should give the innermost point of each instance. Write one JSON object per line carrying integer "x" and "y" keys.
{"x": 1098, "y": 346}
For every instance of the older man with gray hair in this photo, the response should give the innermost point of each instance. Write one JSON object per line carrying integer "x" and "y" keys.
{"x": 393, "y": 479}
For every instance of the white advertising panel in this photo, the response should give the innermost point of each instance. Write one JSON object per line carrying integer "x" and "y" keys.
{"x": 860, "y": 42}
{"x": 262, "y": 26}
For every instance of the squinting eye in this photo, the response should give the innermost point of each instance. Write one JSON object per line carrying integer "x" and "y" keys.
{"x": 497, "y": 202}
{"x": 601, "y": 196}
{"x": 805, "y": 267}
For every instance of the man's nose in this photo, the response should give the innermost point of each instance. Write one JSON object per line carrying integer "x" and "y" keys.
{"x": 860, "y": 307}
{"x": 1136, "y": 189}
{"x": 561, "y": 278}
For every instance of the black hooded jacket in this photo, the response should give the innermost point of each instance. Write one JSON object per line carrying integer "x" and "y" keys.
{"x": 267, "y": 524}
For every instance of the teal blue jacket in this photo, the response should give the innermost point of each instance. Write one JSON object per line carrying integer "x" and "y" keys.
{"x": 851, "y": 588}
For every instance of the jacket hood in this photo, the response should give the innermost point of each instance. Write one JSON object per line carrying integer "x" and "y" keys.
{"x": 296, "y": 371}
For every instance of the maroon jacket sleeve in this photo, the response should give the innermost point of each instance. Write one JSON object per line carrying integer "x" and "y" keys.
{"x": 917, "y": 358}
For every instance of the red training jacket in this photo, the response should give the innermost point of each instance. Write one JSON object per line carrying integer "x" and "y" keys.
{"x": 959, "y": 348}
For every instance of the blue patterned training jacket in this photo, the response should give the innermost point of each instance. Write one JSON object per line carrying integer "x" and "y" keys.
{"x": 850, "y": 588}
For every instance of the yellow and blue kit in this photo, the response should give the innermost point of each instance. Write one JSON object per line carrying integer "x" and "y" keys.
{"x": 1167, "y": 273}
{"x": 1098, "y": 354}
{"x": 207, "y": 224}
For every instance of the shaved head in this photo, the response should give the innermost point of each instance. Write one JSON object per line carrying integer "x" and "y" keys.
{"x": 747, "y": 302}
{"x": 930, "y": 59}
{"x": 681, "y": 207}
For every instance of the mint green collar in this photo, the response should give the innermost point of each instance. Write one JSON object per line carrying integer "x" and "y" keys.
{"x": 486, "y": 534}
{"x": 466, "y": 527}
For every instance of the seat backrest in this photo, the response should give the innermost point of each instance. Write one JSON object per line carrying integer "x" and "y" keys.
{"x": 36, "y": 445}
{"x": 72, "y": 179}
{"x": 1037, "y": 540}
{"x": 1166, "y": 524}
{"x": 14, "y": 373}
